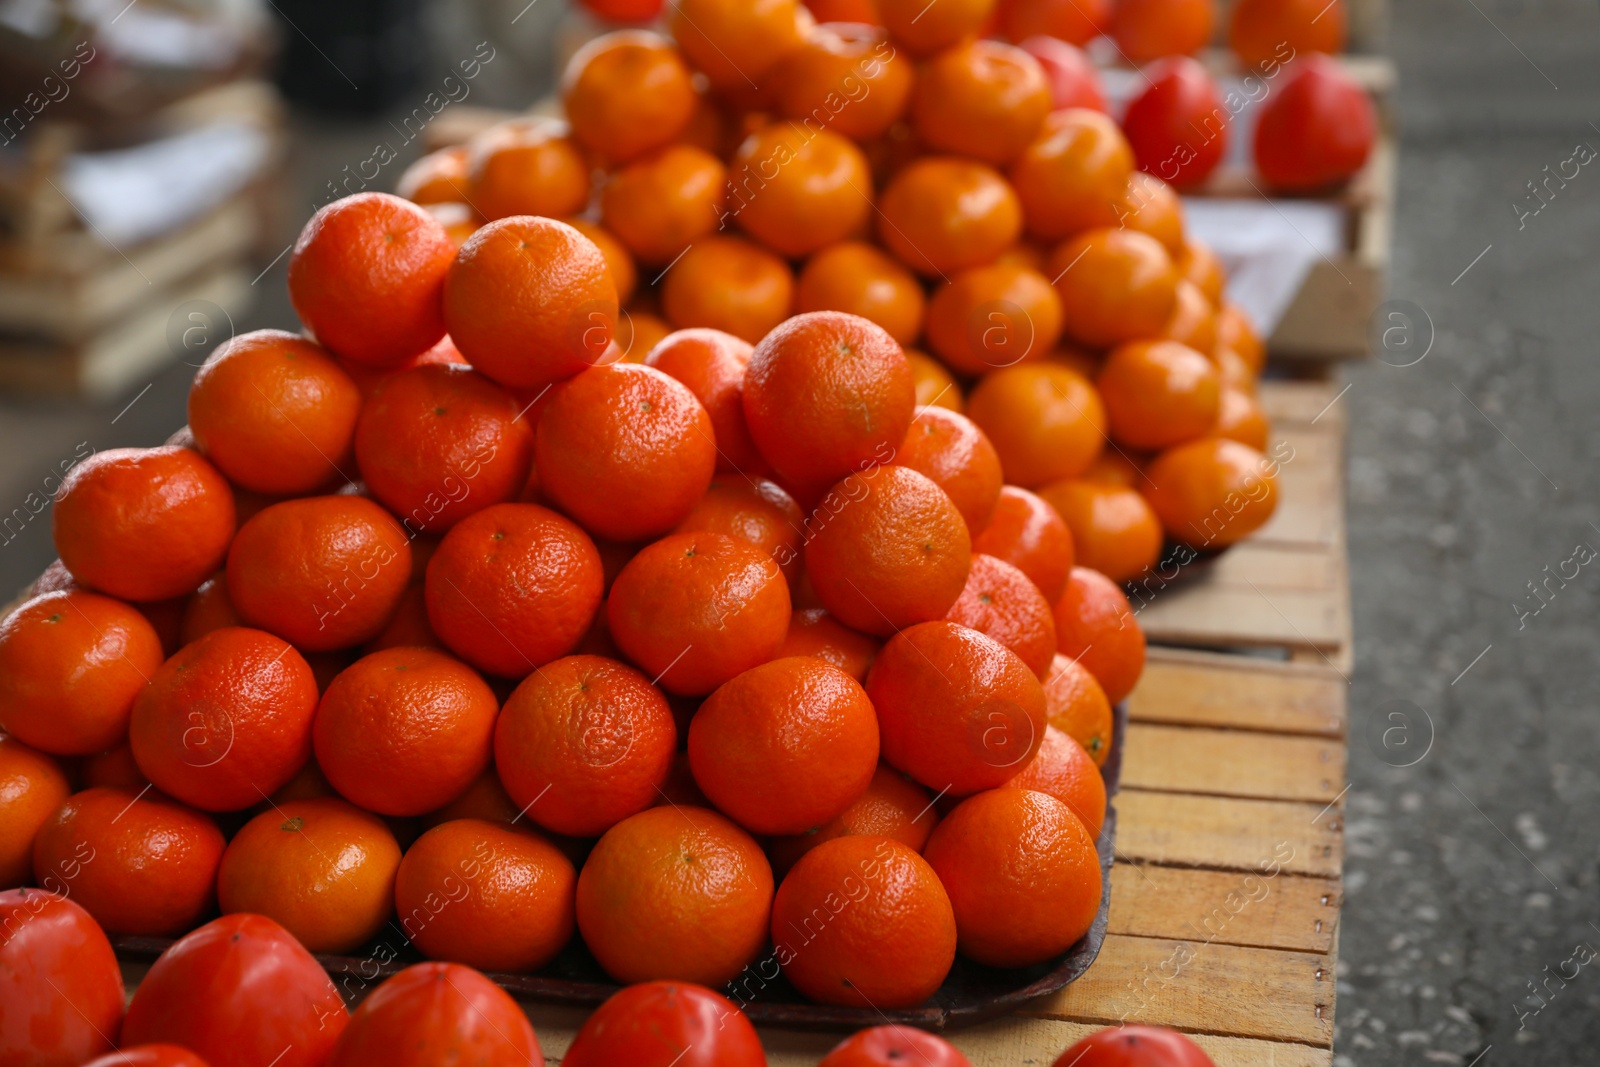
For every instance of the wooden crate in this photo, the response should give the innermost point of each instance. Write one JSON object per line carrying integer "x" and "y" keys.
{"x": 82, "y": 315}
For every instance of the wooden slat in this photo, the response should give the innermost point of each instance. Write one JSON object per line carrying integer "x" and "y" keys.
{"x": 1286, "y": 912}
{"x": 1203, "y": 612}
{"x": 1183, "y": 829}
{"x": 1233, "y": 763}
{"x": 1298, "y": 402}
{"x": 1209, "y": 689}
{"x": 1249, "y": 992}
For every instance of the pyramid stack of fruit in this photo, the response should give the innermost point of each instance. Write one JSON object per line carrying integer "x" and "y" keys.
{"x": 472, "y": 639}
{"x": 968, "y": 195}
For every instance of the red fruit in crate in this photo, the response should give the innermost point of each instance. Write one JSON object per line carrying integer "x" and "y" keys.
{"x": 1178, "y": 126}
{"x": 149, "y": 1056}
{"x": 367, "y": 274}
{"x": 438, "y": 1013}
{"x": 60, "y": 989}
{"x": 1316, "y": 130}
{"x": 241, "y": 992}
{"x": 1134, "y": 1046}
{"x": 666, "y": 1024}
{"x": 1068, "y": 71}
{"x": 894, "y": 1046}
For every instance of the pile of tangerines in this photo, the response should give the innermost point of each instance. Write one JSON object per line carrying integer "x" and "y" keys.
{"x": 968, "y": 195}
{"x": 437, "y": 624}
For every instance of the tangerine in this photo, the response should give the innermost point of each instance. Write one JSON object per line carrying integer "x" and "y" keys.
{"x": 143, "y": 523}
{"x": 529, "y": 301}
{"x": 863, "y": 921}
{"x": 712, "y": 364}
{"x": 490, "y": 895}
{"x": 959, "y": 712}
{"x": 1114, "y": 531}
{"x": 856, "y": 278}
{"x": 728, "y": 284}
{"x": 71, "y": 666}
{"x": 695, "y": 609}
{"x": 887, "y": 549}
{"x": 942, "y": 214}
{"x": 527, "y": 166}
{"x": 226, "y": 721}
{"x": 827, "y": 393}
{"x": 1001, "y": 602}
{"x": 322, "y": 573}
{"x": 1026, "y": 532}
{"x": 513, "y": 587}
{"x": 627, "y": 93}
{"x": 140, "y": 864}
{"x": 1022, "y": 873}
{"x": 1096, "y": 627}
{"x": 438, "y": 442}
{"x": 584, "y": 743}
{"x": 785, "y": 746}
{"x": 275, "y": 413}
{"x": 321, "y": 867}
{"x": 366, "y": 274}
{"x": 1044, "y": 419}
{"x": 405, "y": 730}
{"x": 675, "y": 892}
{"x": 982, "y": 99}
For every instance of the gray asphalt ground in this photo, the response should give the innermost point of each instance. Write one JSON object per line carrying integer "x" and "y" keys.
{"x": 1471, "y": 873}
{"x": 1472, "y": 921}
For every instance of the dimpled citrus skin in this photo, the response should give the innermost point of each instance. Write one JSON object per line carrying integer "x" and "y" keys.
{"x": 365, "y": 276}
{"x": 888, "y": 550}
{"x": 274, "y": 412}
{"x": 1063, "y": 769}
{"x": 785, "y": 746}
{"x": 1002, "y": 602}
{"x": 530, "y": 301}
{"x": 950, "y": 449}
{"x": 626, "y": 450}
{"x": 1022, "y": 874}
{"x": 32, "y": 787}
{"x": 1026, "y": 532}
{"x": 71, "y": 665}
{"x": 437, "y": 442}
{"x": 322, "y": 572}
{"x": 148, "y": 865}
{"x": 957, "y": 711}
{"x": 513, "y": 587}
{"x": 405, "y": 730}
{"x": 888, "y": 945}
{"x": 321, "y": 867}
{"x": 584, "y": 743}
{"x": 226, "y": 721}
{"x": 516, "y": 911}
{"x": 675, "y": 892}
{"x": 695, "y": 609}
{"x": 143, "y": 523}
{"x": 827, "y": 393}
